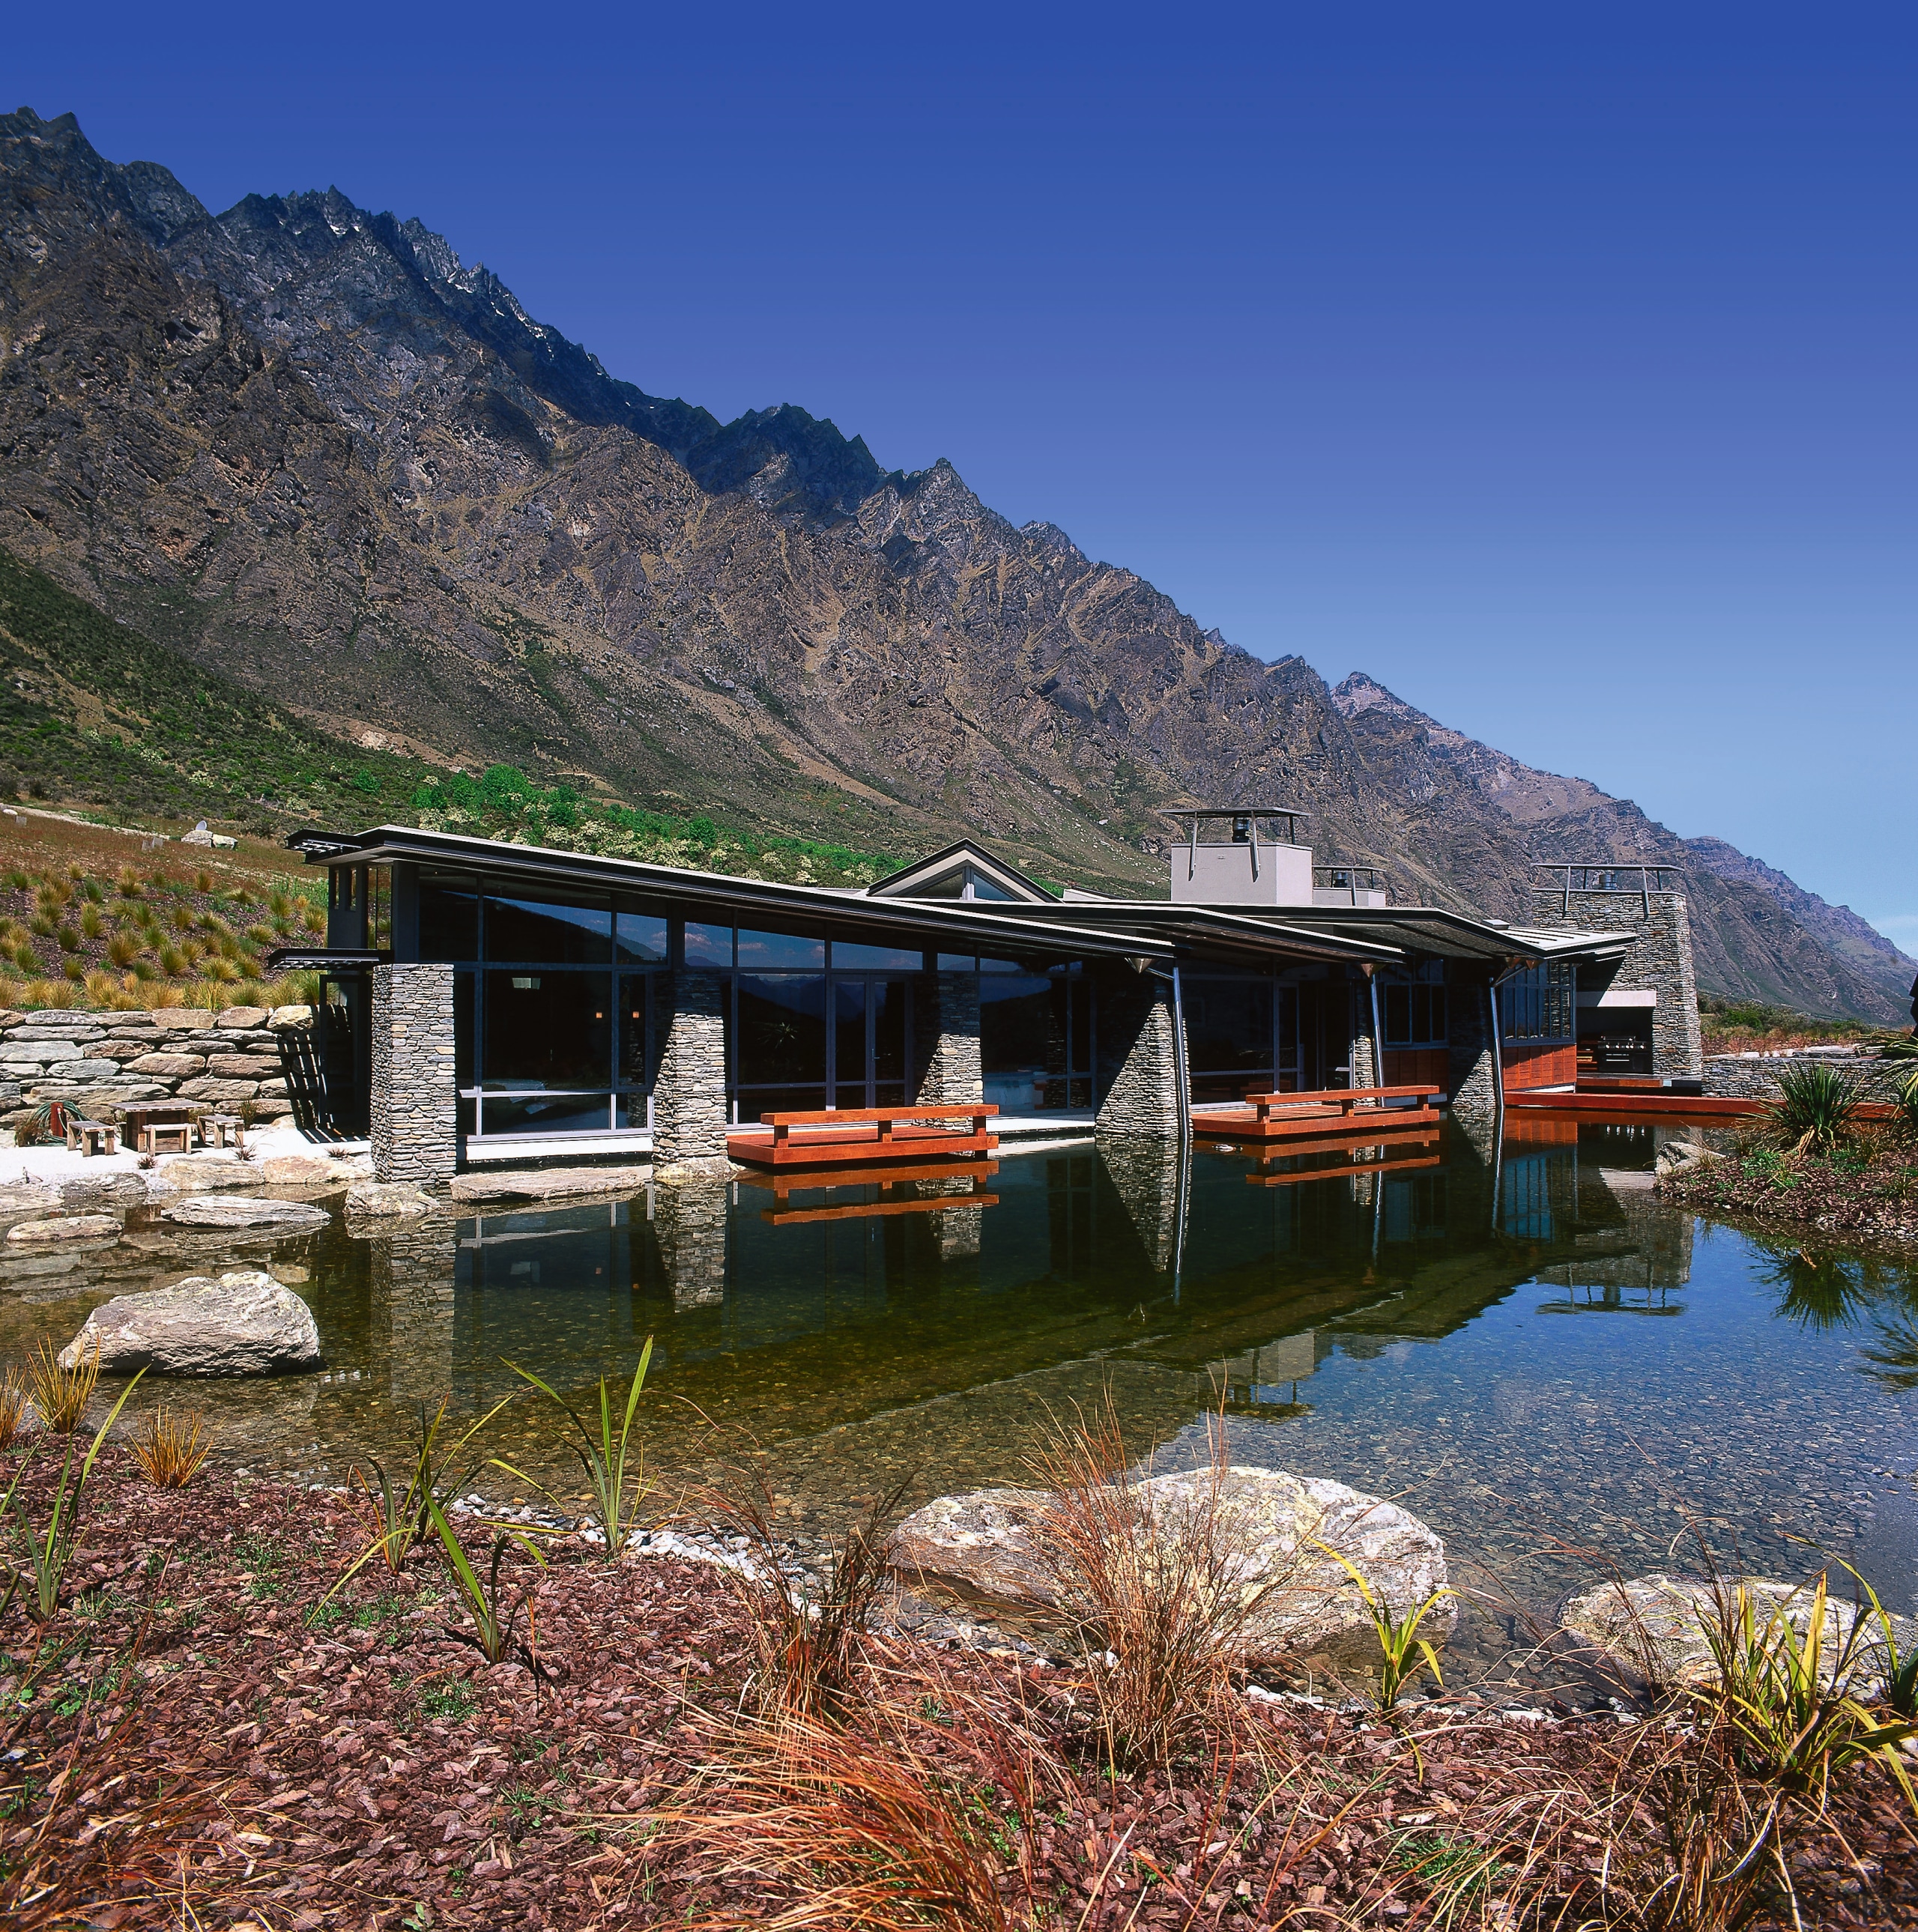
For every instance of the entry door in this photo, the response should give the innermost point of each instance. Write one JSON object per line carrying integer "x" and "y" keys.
{"x": 870, "y": 1038}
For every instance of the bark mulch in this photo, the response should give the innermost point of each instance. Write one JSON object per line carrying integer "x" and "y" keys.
{"x": 196, "y": 1740}
{"x": 1867, "y": 1195}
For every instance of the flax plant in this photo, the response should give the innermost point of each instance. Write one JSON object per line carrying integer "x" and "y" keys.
{"x": 612, "y": 1464}
{"x": 494, "y": 1618}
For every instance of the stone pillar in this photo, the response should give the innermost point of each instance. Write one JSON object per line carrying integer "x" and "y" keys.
{"x": 412, "y": 1268}
{"x": 1359, "y": 1056}
{"x": 1137, "y": 1063}
{"x": 946, "y": 1040}
{"x": 1657, "y": 961}
{"x": 414, "y": 1104}
{"x": 689, "y": 1222}
{"x": 689, "y": 1091}
{"x": 1474, "y": 1058}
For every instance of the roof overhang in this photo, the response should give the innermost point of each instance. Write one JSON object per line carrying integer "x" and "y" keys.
{"x": 325, "y": 959}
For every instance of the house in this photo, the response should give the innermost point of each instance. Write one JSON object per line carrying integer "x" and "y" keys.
{"x": 481, "y": 992}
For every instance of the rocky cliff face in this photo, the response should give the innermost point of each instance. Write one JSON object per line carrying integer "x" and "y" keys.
{"x": 307, "y": 445}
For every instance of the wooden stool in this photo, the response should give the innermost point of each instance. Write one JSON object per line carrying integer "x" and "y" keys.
{"x": 167, "y": 1137}
{"x": 92, "y": 1137}
{"x": 222, "y": 1130}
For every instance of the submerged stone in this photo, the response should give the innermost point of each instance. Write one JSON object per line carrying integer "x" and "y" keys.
{"x": 226, "y": 1211}
{"x": 387, "y": 1201}
{"x": 538, "y": 1184}
{"x": 65, "y": 1228}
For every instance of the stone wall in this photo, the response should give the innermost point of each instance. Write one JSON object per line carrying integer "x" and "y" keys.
{"x": 945, "y": 1030}
{"x": 1468, "y": 1043}
{"x": 1740, "y": 1076}
{"x": 414, "y": 1102}
{"x": 689, "y": 1093}
{"x": 97, "y": 1062}
{"x": 1658, "y": 960}
{"x": 1137, "y": 1067}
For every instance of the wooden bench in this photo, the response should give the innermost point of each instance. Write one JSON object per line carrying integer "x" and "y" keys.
{"x": 167, "y": 1137}
{"x": 222, "y": 1130}
{"x": 1270, "y": 1117}
{"x": 855, "y": 1136}
{"x": 92, "y": 1137}
{"x": 135, "y": 1120}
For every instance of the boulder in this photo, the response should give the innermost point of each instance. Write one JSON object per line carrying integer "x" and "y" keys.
{"x": 1657, "y": 1626}
{"x": 555, "y": 1184}
{"x": 989, "y": 1549}
{"x": 211, "y": 1090}
{"x": 195, "y": 1173}
{"x": 237, "y": 1017}
{"x": 387, "y": 1200}
{"x": 283, "y": 1018}
{"x": 116, "y": 1188}
{"x": 244, "y": 1324}
{"x": 65, "y": 1228}
{"x": 228, "y": 1210}
{"x": 307, "y": 1170}
{"x": 170, "y": 1065}
{"x": 30, "y": 1198}
{"x": 1679, "y": 1157}
{"x": 181, "y": 1019}
{"x": 242, "y": 1067}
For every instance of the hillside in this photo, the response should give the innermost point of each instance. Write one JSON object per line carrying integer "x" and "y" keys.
{"x": 306, "y": 447}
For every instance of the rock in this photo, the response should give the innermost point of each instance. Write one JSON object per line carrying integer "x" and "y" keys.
{"x": 227, "y": 1210}
{"x": 16, "y": 1203}
{"x": 124, "y": 1050}
{"x": 555, "y": 1185}
{"x": 244, "y": 1324}
{"x": 388, "y": 1200}
{"x": 212, "y": 1089}
{"x": 170, "y": 1065}
{"x": 303, "y": 1170}
{"x": 242, "y": 1067}
{"x": 1657, "y": 1625}
{"x": 241, "y": 1016}
{"x": 65, "y": 1228}
{"x": 116, "y": 1188}
{"x": 282, "y": 1017}
{"x": 1677, "y": 1157}
{"x": 181, "y": 1019}
{"x": 988, "y": 1548}
{"x": 195, "y": 1173}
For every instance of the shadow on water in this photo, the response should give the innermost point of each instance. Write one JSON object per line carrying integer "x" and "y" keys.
{"x": 1520, "y": 1343}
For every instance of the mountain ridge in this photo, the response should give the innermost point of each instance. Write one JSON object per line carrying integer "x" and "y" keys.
{"x": 307, "y": 446}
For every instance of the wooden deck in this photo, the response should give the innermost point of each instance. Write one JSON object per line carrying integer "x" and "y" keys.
{"x": 785, "y": 1182}
{"x": 1391, "y": 1165}
{"x": 1640, "y": 1105}
{"x": 1351, "y": 1110}
{"x": 865, "y": 1137}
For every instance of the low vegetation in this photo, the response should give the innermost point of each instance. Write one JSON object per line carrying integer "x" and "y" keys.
{"x": 1751, "y": 1026}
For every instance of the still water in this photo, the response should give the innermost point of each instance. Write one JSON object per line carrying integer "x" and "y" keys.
{"x": 1519, "y": 1344}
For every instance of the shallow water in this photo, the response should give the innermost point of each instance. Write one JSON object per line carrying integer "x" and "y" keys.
{"x": 1523, "y": 1346}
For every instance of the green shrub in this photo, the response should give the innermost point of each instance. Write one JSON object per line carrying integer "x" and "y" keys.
{"x": 1815, "y": 1110}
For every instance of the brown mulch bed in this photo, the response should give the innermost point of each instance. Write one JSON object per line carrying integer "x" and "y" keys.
{"x": 195, "y": 1741}
{"x": 1870, "y": 1194}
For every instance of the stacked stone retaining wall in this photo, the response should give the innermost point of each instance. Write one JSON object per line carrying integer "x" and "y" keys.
{"x": 1739, "y": 1076}
{"x": 95, "y": 1062}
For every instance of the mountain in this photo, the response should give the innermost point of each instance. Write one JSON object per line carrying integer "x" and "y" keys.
{"x": 308, "y": 448}
{"x": 1756, "y": 933}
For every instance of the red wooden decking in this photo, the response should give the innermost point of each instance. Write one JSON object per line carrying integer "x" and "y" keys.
{"x": 865, "y": 1136}
{"x": 1285, "y": 1116}
{"x": 785, "y": 1182}
{"x": 1392, "y": 1164}
{"x": 1639, "y": 1105}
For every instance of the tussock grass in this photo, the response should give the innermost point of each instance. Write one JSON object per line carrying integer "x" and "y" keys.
{"x": 13, "y": 1408}
{"x": 172, "y": 1447}
{"x": 60, "y": 1395}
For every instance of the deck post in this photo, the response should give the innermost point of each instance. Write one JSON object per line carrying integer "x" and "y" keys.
{"x": 946, "y": 1028}
{"x": 689, "y": 1091}
{"x": 413, "y": 1103}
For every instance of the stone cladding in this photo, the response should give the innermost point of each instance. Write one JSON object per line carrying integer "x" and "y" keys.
{"x": 689, "y": 1091}
{"x": 1739, "y": 1076}
{"x": 414, "y": 1105}
{"x": 947, "y": 1026}
{"x": 1659, "y": 960}
{"x": 96, "y": 1062}
{"x": 690, "y": 1224}
{"x": 1138, "y": 1066}
{"x": 1474, "y": 1065}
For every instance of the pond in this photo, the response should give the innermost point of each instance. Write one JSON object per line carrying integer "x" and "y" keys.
{"x": 1523, "y": 1345}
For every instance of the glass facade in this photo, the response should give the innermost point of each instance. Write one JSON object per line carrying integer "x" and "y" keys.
{"x": 1035, "y": 1038}
{"x": 1537, "y": 1003}
{"x": 1241, "y": 1036}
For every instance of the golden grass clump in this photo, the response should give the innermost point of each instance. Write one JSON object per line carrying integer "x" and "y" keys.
{"x": 13, "y": 1409}
{"x": 61, "y": 1395}
{"x": 171, "y": 1447}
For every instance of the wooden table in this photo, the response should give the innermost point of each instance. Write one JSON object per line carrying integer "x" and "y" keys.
{"x": 1272, "y": 1116}
{"x": 856, "y": 1136}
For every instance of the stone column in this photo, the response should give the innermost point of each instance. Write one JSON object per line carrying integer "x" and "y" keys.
{"x": 411, "y": 1268}
{"x": 414, "y": 1105}
{"x": 1474, "y": 1058}
{"x": 1657, "y": 961}
{"x": 689, "y": 1091}
{"x": 1359, "y": 1056}
{"x": 1136, "y": 1057}
{"x": 1145, "y": 1174}
{"x": 946, "y": 1040}
{"x": 689, "y": 1222}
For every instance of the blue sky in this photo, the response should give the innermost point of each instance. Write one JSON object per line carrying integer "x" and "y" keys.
{"x": 1553, "y": 364}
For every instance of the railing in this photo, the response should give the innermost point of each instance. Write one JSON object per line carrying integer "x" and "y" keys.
{"x": 1610, "y": 875}
{"x": 1353, "y": 879}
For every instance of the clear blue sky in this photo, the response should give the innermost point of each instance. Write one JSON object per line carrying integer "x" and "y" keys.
{"x": 1553, "y": 364}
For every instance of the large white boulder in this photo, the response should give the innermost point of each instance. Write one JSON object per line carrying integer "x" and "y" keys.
{"x": 993, "y": 1549}
{"x": 64, "y": 1227}
{"x": 244, "y": 1324}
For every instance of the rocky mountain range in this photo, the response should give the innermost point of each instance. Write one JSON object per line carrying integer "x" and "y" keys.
{"x": 307, "y": 447}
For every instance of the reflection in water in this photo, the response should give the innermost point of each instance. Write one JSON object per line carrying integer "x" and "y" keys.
{"x": 1371, "y": 1313}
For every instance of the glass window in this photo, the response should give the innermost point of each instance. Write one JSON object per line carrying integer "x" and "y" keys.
{"x": 984, "y": 888}
{"x": 765, "y": 950}
{"x": 849, "y": 1041}
{"x": 379, "y": 908}
{"x": 781, "y": 1031}
{"x": 640, "y": 939}
{"x": 449, "y": 918}
{"x": 1001, "y": 966}
{"x": 465, "y": 986}
{"x": 1228, "y": 1024}
{"x": 708, "y": 945}
{"x": 553, "y": 1030}
{"x": 887, "y": 958}
{"x": 1414, "y": 1015}
{"x": 959, "y": 962}
{"x": 635, "y": 1044}
{"x": 573, "y": 933}
{"x": 947, "y": 886}
{"x": 546, "y": 1114}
